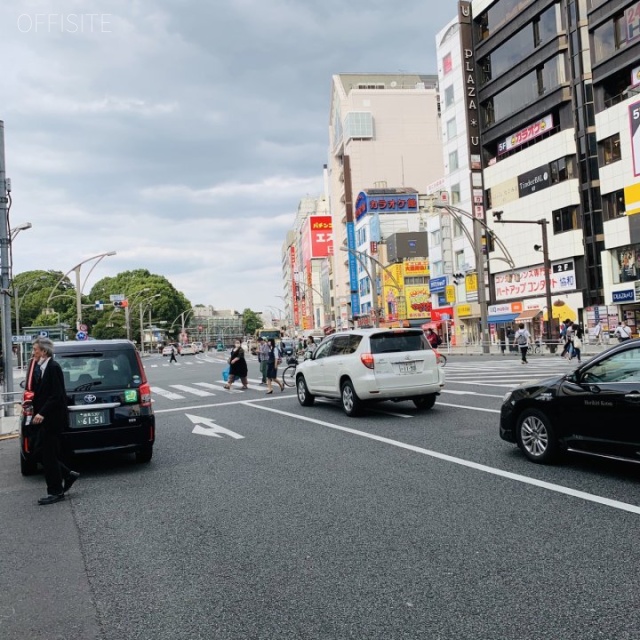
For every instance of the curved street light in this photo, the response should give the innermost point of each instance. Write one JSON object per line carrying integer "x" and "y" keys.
{"x": 143, "y": 305}
{"x": 80, "y": 287}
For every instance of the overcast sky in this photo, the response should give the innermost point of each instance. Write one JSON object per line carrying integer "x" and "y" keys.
{"x": 183, "y": 133}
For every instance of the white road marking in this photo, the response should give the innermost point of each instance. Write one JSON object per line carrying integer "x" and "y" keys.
{"x": 187, "y": 389}
{"x": 167, "y": 394}
{"x": 469, "y": 393}
{"x": 369, "y": 408}
{"x": 211, "y": 428}
{"x": 589, "y": 497}
{"x": 207, "y": 385}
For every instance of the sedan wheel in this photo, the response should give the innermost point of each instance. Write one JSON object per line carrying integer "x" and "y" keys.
{"x": 351, "y": 404}
{"x": 536, "y": 437}
{"x": 425, "y": 402}
{"x": 305, "y": 398}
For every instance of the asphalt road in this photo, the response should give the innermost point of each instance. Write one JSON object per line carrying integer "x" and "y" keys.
{"x": 260, "y": 519}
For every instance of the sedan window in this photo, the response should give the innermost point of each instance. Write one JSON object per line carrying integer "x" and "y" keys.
{"x": 398, "y": 341}
{"x": 620, "y": 367}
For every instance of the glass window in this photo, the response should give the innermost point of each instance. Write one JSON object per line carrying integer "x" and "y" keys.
{"x": 448, "y": 96}
{"x": 453, "y": 160}
{"x": 451, "y": 129}
{"x": 565, "y": 219}
{"x": 613, "y": 205}
{"x": 323, "y": 350}
{"x": 455, "y": 198}
{"x": 604, "y": 42}
{"x": 437, "y": 268}
{"x": 547, "y": 25}
{"x": 609, "y": 150}
{"x": 435, "y": 238}
{"x": 460, "y": 261}
{"x": 398, "y": 341}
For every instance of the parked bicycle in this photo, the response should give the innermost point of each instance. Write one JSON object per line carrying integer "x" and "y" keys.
{"x": 289, "y": 374}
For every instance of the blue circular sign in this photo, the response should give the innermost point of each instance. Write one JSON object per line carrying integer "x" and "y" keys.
{"x": 81, "y": 335}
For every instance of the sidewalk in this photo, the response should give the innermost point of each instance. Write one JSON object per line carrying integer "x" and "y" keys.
{"x": 587, "y": 351}
{"x": 9, "y": 425}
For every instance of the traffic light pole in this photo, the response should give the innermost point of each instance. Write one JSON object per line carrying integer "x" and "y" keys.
{"x": 5, "y": 273}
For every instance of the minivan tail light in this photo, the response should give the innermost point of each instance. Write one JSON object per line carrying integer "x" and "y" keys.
{"x": 367, "y": 360}
{"x": 145, "y": 395}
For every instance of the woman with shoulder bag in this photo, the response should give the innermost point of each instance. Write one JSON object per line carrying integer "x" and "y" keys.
{"x": 272, "y": 367}
{"x": 576, "y": 343}
{"x": 237, "y": 366}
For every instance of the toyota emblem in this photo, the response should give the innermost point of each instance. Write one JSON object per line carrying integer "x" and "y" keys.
{"x": 89, "y": 398}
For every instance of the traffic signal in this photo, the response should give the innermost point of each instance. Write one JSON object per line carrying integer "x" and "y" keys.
{"x": 120, "y": 304}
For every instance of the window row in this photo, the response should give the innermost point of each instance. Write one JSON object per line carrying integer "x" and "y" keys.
{"x": 525, "y": 91}
{"x": 616, "y": 34}
{"x": 609, "y": 150}
{"x": 565, "y": 219}
{"x": 545, "y": 27}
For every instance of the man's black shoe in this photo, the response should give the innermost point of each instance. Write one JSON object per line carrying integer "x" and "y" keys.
{"x": 50, "y": 499}
{"x": 68, "y": 482}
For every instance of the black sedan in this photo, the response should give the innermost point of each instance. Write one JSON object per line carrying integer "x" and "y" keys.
{"x": 593, "y": 410}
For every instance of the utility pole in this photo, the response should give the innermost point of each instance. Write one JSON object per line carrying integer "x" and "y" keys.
{"x": 482, "y": 291}
{"x": 5, "y": 273}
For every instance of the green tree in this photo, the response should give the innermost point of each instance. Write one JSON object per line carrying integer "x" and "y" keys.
{"x": 251, "y": 321}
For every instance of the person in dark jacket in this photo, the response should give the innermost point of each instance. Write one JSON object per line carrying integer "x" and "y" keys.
{"x": 50, "y": 411}
{"x": 237, "y": 366}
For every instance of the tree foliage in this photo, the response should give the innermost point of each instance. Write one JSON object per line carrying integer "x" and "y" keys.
{"x": 251, "y": 321}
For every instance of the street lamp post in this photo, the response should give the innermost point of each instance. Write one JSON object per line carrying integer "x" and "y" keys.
{"x": 79, "y": 287}
{"x": 543, "y": 222}
{"x": 143, "y": 304}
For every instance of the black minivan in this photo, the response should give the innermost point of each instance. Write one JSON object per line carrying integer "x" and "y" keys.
{"x": 109, "y": 400}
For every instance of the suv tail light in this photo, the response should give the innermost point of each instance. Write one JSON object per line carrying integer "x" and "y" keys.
{"x": 367, "y": 360}
{"x": 145, "y": 395}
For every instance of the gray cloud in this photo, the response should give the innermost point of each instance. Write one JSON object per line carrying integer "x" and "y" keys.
{"x": 182, "y": 134}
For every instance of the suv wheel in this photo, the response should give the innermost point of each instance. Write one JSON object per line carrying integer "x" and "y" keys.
{"x": 351, "y": 404}
{"x": 27, "y": 467}
{"x": 425, "y": 402}
{"x": 305, "y": 398}
{"x": 144, "y": 454}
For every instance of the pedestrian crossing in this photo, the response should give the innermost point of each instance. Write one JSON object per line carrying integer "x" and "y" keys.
{"x": 507, "y": 373}
{"x": 202, "y": 389}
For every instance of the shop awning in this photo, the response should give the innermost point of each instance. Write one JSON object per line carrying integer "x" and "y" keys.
{"x": 504, "y": 317}
{"x": 528, "y": 315}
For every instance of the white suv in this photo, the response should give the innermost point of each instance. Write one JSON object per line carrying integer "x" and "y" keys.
{"x": 369, "y": 365}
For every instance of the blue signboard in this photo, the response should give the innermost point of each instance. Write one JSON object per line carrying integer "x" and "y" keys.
{"x": 623, "y": 296}
{"x": 402, "y": 201}
{"x": 353, "y": 269}
{"x": 438, "y": 284}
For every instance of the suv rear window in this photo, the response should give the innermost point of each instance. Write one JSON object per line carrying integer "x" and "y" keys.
{"x": 108, "y": 369}
{"x": 398, "y": 341}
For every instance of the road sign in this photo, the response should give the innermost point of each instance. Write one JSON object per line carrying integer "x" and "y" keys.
{"x": 83, "y": 327}
{"x": 81, "y": 335}
{"x": 43, "y": 334}
{"x": 99, "y": 305}
{"x": 22, "y": 338}
{"x": 117, "y": 297}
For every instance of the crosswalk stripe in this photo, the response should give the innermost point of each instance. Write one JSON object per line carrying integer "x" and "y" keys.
{"x": 187, "y": 389}
{"x": 207, "y": 385}
{"x": 166, "y": 394}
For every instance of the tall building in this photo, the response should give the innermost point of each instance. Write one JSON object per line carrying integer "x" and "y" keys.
{"x": 384, "y": 129}
{"x": 558, "y": 115}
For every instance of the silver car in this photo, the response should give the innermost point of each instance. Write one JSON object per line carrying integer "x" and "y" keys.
{"x": 369, "y": 365}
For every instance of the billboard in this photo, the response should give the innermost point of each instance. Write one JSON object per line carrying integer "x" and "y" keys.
{"x": 320, "y": 230}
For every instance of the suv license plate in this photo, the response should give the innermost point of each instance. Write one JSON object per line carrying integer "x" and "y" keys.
{"x": 89, "y": 418}
{"x": 407, "y": 367}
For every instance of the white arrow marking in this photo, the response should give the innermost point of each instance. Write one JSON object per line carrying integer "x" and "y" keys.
{"x": 211, "y": 428}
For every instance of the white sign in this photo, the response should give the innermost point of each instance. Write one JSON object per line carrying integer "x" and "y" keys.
{"x": 532, "y": 131}
{"x": 530, "y": 282}
{"x": 22, "y": 338}
{"x": 211, "y": 428}
{"x": 117, "y": 297}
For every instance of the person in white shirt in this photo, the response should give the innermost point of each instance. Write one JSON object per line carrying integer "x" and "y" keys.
{"x": 521, "y": 340}
{"x": 622, "y": 332}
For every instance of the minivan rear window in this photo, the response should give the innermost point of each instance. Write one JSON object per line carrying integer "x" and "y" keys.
{"x": 109, "y": 369}
{"x": 398, "y": 341}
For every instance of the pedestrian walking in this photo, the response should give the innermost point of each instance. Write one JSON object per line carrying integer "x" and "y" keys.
{"x": 622, "y": 332}
{"x": 272, "y": 370}
{"x": 237, "y": 366}
{"x": 521, "y": 340}
{"x": 576, "y": 343}
{"x": 568, "y": 339}
{"x": 51, "y": 413}
{"x": 172, "y": 355}
{"x": 311, "y": 345}
{"x": 263, "y": 358}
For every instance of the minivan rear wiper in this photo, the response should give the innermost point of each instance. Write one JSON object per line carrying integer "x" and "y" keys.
{"x": 87, "y": 386}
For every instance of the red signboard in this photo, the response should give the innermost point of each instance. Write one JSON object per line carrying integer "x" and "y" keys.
{"x": 320, "y": 228}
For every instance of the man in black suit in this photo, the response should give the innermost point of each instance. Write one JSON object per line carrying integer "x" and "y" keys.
{"x": 50, "y": 411}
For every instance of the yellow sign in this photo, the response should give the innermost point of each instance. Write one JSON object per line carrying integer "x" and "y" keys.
{"x": 464, "y": 310}
{"x": 418, "y": 299}
{"x": 416, "y": 268}
{"x": 450, "y": 293}
{"x": 391, "y": 272}
{"x": 471, "y": 283}
{"x": 632, "y": 199}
